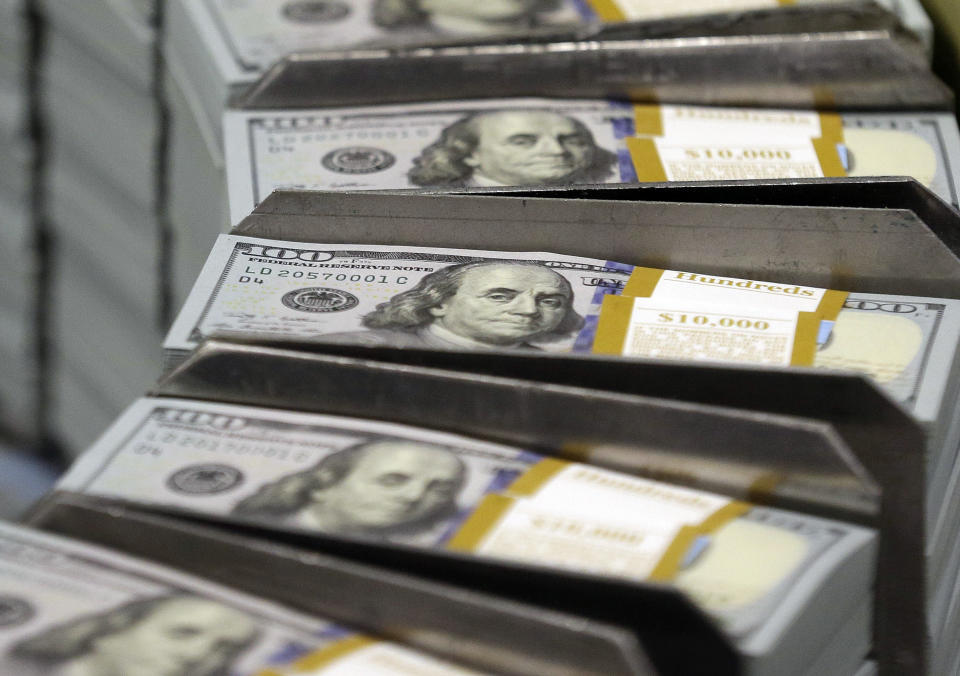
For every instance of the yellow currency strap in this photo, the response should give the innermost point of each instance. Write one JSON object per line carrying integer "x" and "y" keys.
{"x": 537, "y": 476}
{"x": 484, "y": 518}
{"x": 647, "y": 121}
{"x": 831, "y": 134}
{"x": 646, "y": 160}
{"x": 493, "y": 507}
{"x": 333, "y": 652}
{"x": 607, "y": 10}
{"x": 642, "y": 282}
{"x": 805, "y": 339}
{"x": 829, "y": 157}
{"x": 669, "y": 564}
{"x": 831, "y": 127}
{"x": 831, "y": 304}
{"x": 613, "y": 324}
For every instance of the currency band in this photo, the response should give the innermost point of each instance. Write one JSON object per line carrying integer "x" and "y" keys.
{"x": 671, "y": 561}
{"x": 495, "y": 507}
{"x": 821, "y": 157}
{"x": 331, "y": 653}
{"x": 648, "y": 120}
{"x": 617, "y": 315}
{"x": 645, "y": 282}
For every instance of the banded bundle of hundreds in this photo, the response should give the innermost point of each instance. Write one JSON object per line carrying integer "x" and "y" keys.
{"x": 782, "y": 585}
{"x": 357, "y": 294}
{"x": 215, "y": 50}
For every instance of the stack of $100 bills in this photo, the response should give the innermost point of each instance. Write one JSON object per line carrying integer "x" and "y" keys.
{"x": 147, "y": 166}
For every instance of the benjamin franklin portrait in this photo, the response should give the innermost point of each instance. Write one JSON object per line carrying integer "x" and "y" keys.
{"x": 464, "y": 17}
{"x": 178, "y": 635}
{"x": 378, "y": 488}
{"x": 513, "y": 147}
{"x": 484, "y": 305}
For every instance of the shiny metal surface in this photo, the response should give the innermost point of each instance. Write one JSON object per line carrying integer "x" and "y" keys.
{"x": 518, "y": 404}
{"x": 716, "y": 413}
{"x": 854, "y": 55}
{"x": 873, "y": 246}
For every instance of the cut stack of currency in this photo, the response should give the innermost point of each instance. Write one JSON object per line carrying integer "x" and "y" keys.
{"x": 103, "y": 125}
{"x": 783, "y": 585}
{"x": 68, "y": 607}
{"x": 214, "y": 48}
{"x": 807, "y": 592}
{"x": 494, "y": 142}
{"x": 106, "y": 93}
{"x": 497, "y": 142}
{"x": 19, "y": 388}
{"x": 384, "y": 296}
{"x": 105, "y": 109}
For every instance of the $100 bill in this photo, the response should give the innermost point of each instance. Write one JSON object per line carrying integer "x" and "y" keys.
{"x": 393, "y": 296}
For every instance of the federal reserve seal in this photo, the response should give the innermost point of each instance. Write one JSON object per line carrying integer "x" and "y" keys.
{"x": 315, "y": 11}
{"x": 205, "y": 479}
{"x": 14, "y": 610}
{"x": 358, "y": 160}
{"x": 320, "y": 299}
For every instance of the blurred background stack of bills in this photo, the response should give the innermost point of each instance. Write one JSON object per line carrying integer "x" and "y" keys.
{"x": 70, "y": 607}
{"x": 19, "y": 271}
{"x": 103, "y": 126}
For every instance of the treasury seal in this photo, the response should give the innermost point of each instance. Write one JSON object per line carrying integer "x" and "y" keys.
{"x": 315, "y": 11}
{"x": 358, "y": 160}
{"x": 320, "y": 299}
{"x": 14, "y": 610}
{"x": 205, "y": 479}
